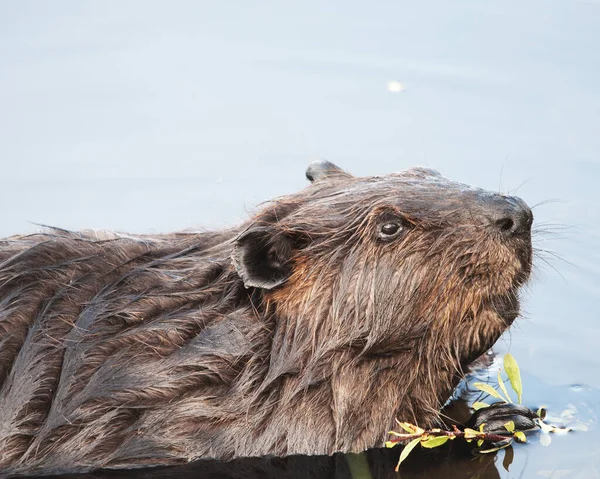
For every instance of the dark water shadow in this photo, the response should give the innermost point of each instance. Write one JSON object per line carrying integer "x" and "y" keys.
{"x": 450, "y": 462}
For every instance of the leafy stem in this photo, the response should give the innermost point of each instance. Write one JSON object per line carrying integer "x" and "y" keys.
{"x": 436, "y": 437}
{"x": 414, "y": 435}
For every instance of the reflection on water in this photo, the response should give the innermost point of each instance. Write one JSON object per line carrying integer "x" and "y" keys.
{"x": 375, "y": 464}
{"x": 137, "y": 117}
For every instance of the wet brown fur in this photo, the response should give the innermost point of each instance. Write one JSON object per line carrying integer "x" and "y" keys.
{"x": 123, "y": 351}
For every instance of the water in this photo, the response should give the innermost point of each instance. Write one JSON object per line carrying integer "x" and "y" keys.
{"x": 146, "y": 116}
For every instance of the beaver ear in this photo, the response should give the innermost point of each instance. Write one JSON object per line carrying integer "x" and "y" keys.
{"x": 261, "y": 257}
{"x": 324, "y": 169}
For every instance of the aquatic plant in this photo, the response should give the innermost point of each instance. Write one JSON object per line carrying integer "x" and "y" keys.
{"x": 413, "y": 435}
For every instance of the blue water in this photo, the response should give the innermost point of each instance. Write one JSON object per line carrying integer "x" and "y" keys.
{"x": 149, "y": 116}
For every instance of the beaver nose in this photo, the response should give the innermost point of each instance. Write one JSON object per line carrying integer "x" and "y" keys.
{"x": 511, "y": 216}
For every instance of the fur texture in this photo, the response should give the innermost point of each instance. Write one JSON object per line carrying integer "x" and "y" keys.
{"x": 305, "y": 330}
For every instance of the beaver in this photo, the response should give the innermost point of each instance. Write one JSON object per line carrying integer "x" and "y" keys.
{"x": 305, "y": 330}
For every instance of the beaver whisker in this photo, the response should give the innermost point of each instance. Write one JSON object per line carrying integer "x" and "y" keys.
{"x": 551, "y": 225}
{"x": 543, "y": 254}
{"x": 514, "y": 191}
{"x": 547, "y": 202}
{"x": 543, "y": 235}
{"x": 548, "y": 264}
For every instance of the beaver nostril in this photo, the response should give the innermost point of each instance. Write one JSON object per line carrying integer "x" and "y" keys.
{"x": 511, "y": 216}
{"x": 505, "y": 224}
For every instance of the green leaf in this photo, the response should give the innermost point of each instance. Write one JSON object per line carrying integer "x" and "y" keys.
{"x": 480, "y": 443}
{"x": 406, "y": 426}
{"x": 401, "y": 436}
{"x": 481, "y": 426}
{"x": 410, "y": 428}
{"x": 391, "y": 444}
{"x": 503, "y": 387}
{"x": 514, "y": 374}
{"x": 471, "y": 433}
{"x": 434, "y": 441}
{"x": 520, "y": 435}
{"x": 510, "y": 426}
{"x": 479, "y": 405}
{"x": 406, "y": 451}
{"x": 494, "y": 449}
{"x": 486, "y": 388}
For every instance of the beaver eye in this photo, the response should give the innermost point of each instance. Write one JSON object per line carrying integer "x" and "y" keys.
{"x": 389, "y": 230}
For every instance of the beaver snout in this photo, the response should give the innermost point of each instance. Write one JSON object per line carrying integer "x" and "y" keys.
{"x": 510, "y": 215}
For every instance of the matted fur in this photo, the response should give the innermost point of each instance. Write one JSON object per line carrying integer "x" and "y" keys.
{"x": 124, "y": 351}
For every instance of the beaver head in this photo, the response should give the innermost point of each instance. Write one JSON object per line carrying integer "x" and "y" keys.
{"x": 408, "y": 271}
